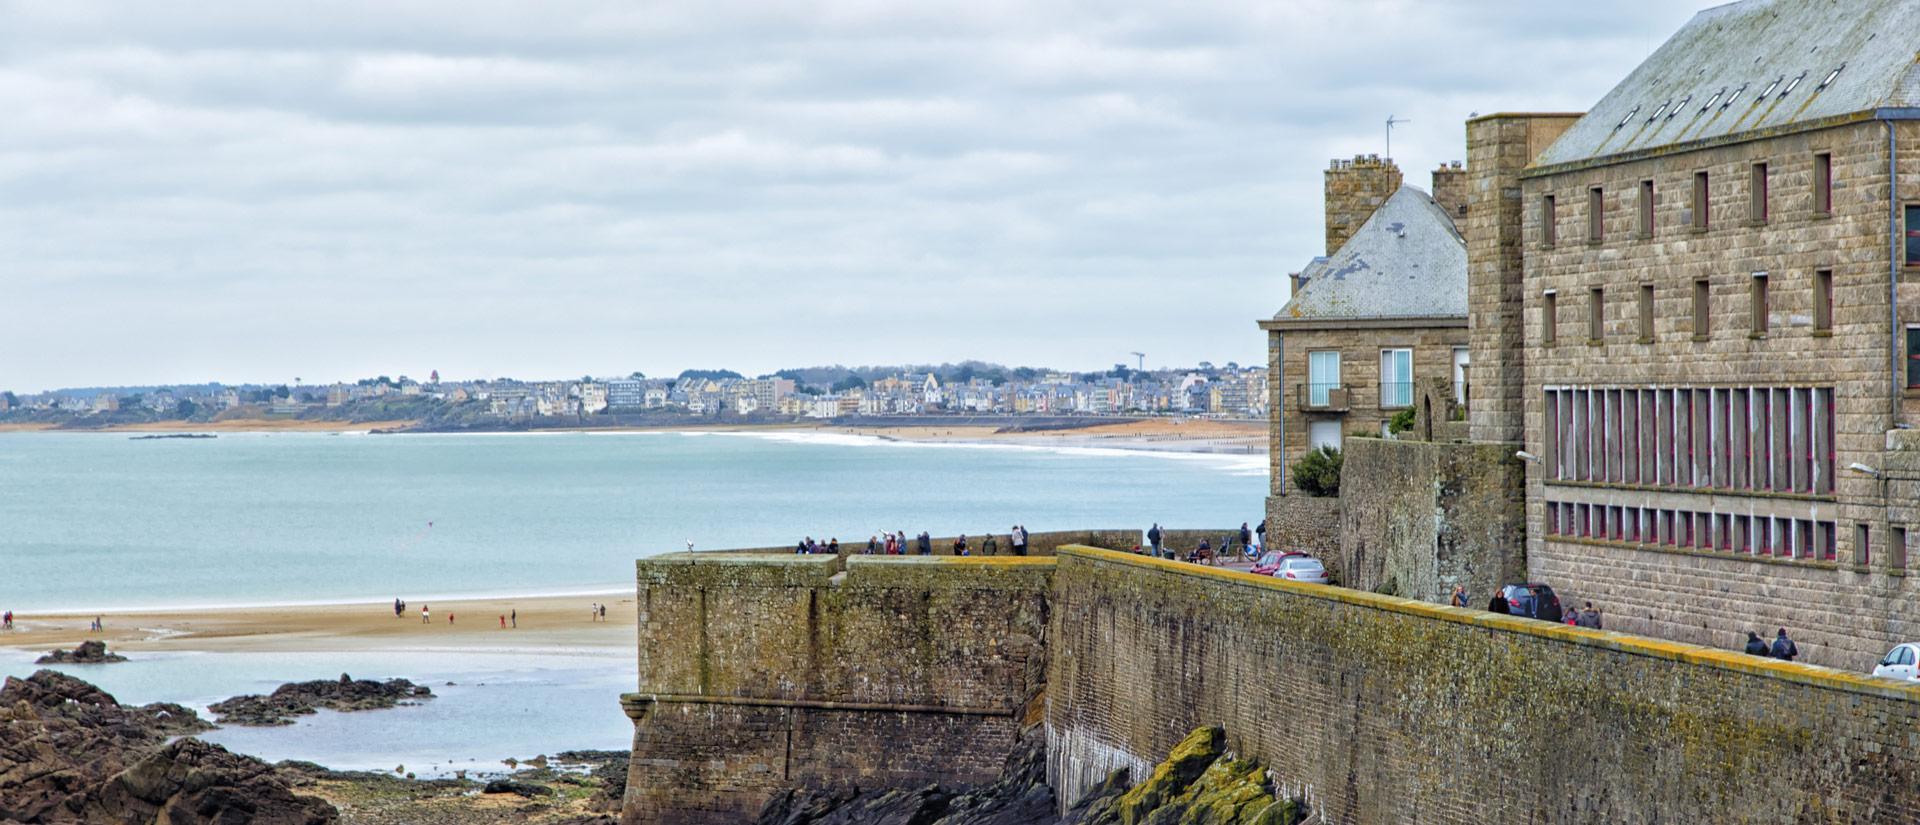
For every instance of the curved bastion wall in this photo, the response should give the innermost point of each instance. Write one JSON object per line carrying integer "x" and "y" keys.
{"x": 760, "y": 673}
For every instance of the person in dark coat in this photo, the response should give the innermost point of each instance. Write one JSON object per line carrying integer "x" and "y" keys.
{"x": 1498, "y": 604}
{"x": 1783, "y": 648}
{"x": 1755, "y": 646}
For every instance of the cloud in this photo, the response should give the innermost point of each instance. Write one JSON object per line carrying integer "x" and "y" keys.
{"x": 255, "y": 191}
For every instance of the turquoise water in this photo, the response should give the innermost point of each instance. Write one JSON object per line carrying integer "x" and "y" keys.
{"x": 91, "y": 520}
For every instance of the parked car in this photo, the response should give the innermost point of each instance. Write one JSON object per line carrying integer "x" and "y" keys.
{"x": 1300, "y": 568}
{"x": 1269, "y": 563}
{"x": 1532, "y": 600}
{"x": 1900, "y": 663}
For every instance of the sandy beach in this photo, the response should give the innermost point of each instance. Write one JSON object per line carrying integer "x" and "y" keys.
{"x": 544, "y": 622}
{"x": 1160, "y": 434}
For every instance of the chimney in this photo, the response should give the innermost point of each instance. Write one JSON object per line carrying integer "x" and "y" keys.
{"x": 1450, "y": 190}
{"x": 1499, "y": 147}
{"x": 1354, "y": 189}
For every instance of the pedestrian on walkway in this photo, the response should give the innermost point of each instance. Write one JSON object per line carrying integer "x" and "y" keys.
{"x": 926, "y": 543}
{"x": 1755, "y": 645}
{"x": 1459, "y": 596}
{"x": 1153, "y": 537}
{"x": 1589, "y": 617}
{"x": 1783, "y": 648}
{"x": 1246, "y": 537}
{"x": 990, "y": 545}
{"x": 1498, "y": 604}
{"x": 514, "y": 617}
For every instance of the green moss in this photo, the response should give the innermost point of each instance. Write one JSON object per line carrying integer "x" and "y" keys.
{"x": 1186, "y": 763}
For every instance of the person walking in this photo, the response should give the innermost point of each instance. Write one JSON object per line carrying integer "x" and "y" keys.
{"x": 1260, "y": 533}
{"x": 990, "y": 545}
{"x": 1459, "y": 596}
{"x": 514, "y": 617}
{"x": 398, "y": 608}
{"x": 1498, "y": 604}
{"x": 1783, "y": 648}
{"x": 449, "y": 617}
{"x": 926, "y": 543}
{"x": 1589, "y": 617}
{"x": 1246, "y": 537}
{"x": 603, "y": 612}
{"x": 426, "y": 616}
{"x": 1755, "y": 645}
{"x": 503, "y": 621}
{"x": 1153, "y": 537}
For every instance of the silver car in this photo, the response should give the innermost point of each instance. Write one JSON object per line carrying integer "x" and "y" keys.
{"x": 1302, "y": 569}
{"x": 1902, "y": 662}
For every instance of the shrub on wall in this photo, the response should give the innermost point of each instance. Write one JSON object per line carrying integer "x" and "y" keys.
{"x": 1401, "y": 421}
{"x": 1318, "y": 473}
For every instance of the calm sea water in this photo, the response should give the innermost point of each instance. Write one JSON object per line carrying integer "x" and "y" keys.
{"x": 91, "y": 520}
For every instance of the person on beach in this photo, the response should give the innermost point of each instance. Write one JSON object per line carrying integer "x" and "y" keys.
{"x": 426, "y": 616}
{"x": 449, "y": 617}
{"x": 503, "y": 621}
{"x": 8, "y": 621}
{"x": 98, "y": 627}
{"x": 398, "y": 608}
{"x": 514, "y": 617}
{"x": 603, "y": 612}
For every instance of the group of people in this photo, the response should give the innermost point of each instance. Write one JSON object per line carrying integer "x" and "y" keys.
{"x": 6, "y": 621}
{"x": 1249, "y": 540}
{"x": 596, "y": 612}
{"x": 1782, "y": 648}
{"x": 901, "y": 544}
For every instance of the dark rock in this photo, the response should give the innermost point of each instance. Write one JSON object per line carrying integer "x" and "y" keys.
{"x": 88, "y": 653}
{"x": 299, "y": 698}
{"x": 69, "y": 753}
{"x": 513, "y": 786}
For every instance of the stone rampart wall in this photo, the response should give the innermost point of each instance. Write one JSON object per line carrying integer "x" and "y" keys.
{"x": 1418, "y": 518}
{"x": 1386, "y": 710}
{"x": 1309, "y": 524}
{"x": 759, "y": 673}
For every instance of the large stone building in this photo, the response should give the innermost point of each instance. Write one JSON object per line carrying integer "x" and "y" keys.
{"x": 1385, "y": 310}
{"x": 1699, "y": 308}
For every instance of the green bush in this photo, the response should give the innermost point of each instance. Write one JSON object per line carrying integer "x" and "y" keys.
{"x": 1318, "y": 473}
{"x": 1401, "y": 421}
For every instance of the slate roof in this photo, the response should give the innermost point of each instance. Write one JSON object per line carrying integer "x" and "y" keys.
{"x": 1406, "y": 261}
{"x": 1771, "y": 59}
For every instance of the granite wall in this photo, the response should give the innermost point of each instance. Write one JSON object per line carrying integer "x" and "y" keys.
{"x": 1387, "y": 710}
{"x": 1418, "y": 518}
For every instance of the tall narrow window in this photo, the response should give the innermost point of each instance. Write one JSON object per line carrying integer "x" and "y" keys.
{"x": 1549, "y": 319}
{"x": 1700, "y": 200}
{"x": 1396, "y": 377}
{"x": 1897, "y": 548}
{"x": 1913, "y": 357}
{"x": 1646, "y": 313}
{"x": 1823, "y": 183}
{"x": 1323, "y": 376}
{"x": 1759, "y": 303}
{"x": 1913, "y": 236}
{"x": 1701, "y": 311}
{"x": 1757, "y": 194}
{"x": 1596, "y": 315}
{"x": 1861, "y": 544}
{"x": 1646, "y": 209}
{"x": 1823, "y": 300}
{"x": 1548, "y": 232}
{"x": 1596, "y": 215}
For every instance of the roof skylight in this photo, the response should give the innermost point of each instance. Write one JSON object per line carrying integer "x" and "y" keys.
{"x": 1630, "y": 113}
{"x": 1793, "y": 84}
{"x": 1830, "y": 76}
{"x": 1770, "y": 87}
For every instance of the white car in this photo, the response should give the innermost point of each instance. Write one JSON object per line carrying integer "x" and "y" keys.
{"x": 1902, "y": 662}
{"x": 1304, "y": 569}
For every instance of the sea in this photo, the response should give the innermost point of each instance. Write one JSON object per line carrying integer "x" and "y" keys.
{"x": 104, "y": 521}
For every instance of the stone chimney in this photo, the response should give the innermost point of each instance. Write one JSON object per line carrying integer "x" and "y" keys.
{"x": 1354, "y": 189}
{"x": 1450, "y": 190}
{"x": 1499, "y": 147}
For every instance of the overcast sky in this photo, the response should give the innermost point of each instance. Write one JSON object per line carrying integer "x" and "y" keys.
{"x": 333, "y": 190}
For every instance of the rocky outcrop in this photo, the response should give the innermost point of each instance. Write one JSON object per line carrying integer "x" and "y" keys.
{"x": 1199, "y": 784}
{"x": 88, "y": 653}
{"x": 70, "y": 753}
{"x": 300, "y": 698}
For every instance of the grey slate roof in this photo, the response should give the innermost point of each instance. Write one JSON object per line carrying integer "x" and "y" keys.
{"x": 1407, "y": 261}
{"x": 1741, "y": 51}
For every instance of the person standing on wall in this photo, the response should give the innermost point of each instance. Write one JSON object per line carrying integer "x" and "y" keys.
{"x": 1498, "y": 604}
{"x": 1153, "y": 538}
{"x": 1246, "y": 537}
{"x": 1783, "y": 648}
{"x": 926, "y": 543}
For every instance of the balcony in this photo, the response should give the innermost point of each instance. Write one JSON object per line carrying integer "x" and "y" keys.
{"x": 1396, "y": 394}
{"x": 1329, "y": 397}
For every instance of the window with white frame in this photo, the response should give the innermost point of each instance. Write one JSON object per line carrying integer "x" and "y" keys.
{"x": 1323, "y": 376}
{"x": 1396, "y": 377}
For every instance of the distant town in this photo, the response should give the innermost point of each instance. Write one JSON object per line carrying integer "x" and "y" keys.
{"x": 966, "y": 389}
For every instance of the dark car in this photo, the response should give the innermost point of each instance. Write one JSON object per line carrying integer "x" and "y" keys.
{"x": 1533, "y": 600}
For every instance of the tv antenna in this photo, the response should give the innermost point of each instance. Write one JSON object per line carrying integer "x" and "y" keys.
{"x": 1143, "y": 359}
{"x": 1391, "y": 122}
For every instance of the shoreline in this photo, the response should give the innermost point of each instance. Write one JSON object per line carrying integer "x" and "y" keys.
{"x": 551, "y": 624}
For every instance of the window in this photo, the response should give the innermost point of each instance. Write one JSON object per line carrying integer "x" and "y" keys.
{"x": 1323, "y": 376}
{"x": 1596, "y": 315}
{"x": 1861, "y": 544}
{"x": 1913, "y": 357}
{"x": 1646, "y": 313}
{"x": 1897, "y": 548}
{"x": 1646, "y": 209}
{"x": 1823, "y": 300}
{"x": 1757, "y": 194}
{"x": 1596, "y": 215}
{"x": 1547, "y": 232}
{"x": 1460, "y": 362}
{"x": 1323, "y": 433}
{"x": 1700, "y": 200}
{"x": 1823, "y": 183}
{"x": 1396, "y": 378}
{"x": 1759, "y": 303}
{"x": 1549, "y": 321}
{"x": 1701, "y": 315}
{"x": 1913, "y": 236}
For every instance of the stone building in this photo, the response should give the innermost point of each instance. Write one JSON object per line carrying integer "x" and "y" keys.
{"x": 1699, "y": 308}
{"x": 1383, "y": 312}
